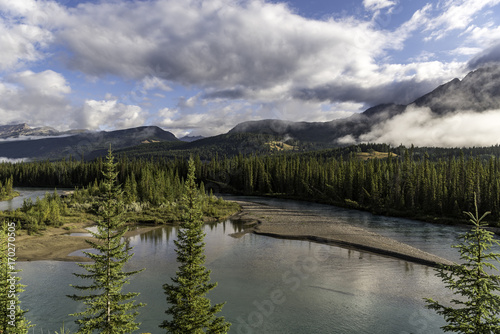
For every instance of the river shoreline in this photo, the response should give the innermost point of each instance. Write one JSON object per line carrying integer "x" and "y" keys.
{"x": 56, "y": 244}
{"x": 295, "y": 225}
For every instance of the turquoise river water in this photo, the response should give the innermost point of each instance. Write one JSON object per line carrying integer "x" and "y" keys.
{"x": 273, "y": 285}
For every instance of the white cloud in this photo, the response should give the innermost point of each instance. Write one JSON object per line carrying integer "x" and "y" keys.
{"x": 419, "y": 19}
{"x": 25, "y": 31}
{"x": 375, "y": 5}
{"x": 392, "y": 83}
{"x": 421, "y": 127}
{"x": 483, "y": 36}
{"x": 456, "y": 15}
{"x": 187, "y": 103}
{"x": 103, "y": 115}
{"x": 36, "y": 98}
{"x": 20, "y": 43}
{"x": 222, "y": 116}
{"x": 465, "y": 51}
{"x": 150, "y": 83}
{"x": 43, "y": 83}
{"x": 209, "y": 123}
{"x": 230, "y": 48}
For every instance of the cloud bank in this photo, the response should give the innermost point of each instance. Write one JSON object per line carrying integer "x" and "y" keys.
{"x": 238, "y": 59}
{"x": 234, "y": 49}
{"x": 421, "y": 127}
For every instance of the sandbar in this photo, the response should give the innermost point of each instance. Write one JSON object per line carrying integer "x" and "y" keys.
{"x": 261, "y": 219}
{"x": 56, "y": 244}
{"x": 292, "y": 224}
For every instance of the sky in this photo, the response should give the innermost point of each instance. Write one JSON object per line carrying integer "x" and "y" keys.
{"x": 200, "y": 67}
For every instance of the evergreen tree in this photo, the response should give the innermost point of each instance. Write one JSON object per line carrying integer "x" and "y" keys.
{"x": 12, "y": 320}
{"x": 478, "y": 307}
{"x": 191, "y": 311}
{"x": 109, "y": 310}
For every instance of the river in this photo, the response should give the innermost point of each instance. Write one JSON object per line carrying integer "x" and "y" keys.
{"x": 274, "y": 285}
{"x": 24, "y": 193}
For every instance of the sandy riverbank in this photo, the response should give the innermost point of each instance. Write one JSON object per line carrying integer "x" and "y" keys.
{"x": 56, "y": 244}
{"x": 290, "y": 224}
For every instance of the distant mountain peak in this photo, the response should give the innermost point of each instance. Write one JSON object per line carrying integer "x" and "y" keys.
{"x": 478, "y": 91}
{"x": 14, "y": 130}
{"x": 190, "y": 139}
{"x": 51, "y": 144}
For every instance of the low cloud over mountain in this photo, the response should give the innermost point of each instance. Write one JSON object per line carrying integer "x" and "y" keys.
{"x": 459, "y": 113}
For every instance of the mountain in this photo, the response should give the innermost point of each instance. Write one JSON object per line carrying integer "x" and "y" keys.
{"x": 229, "y": 144}
{"x": 323, "y": 133}
{"x": 478, "y": 91}
{"x": 24, "y": 130}
{"x": 83, "y": 145}
{"x": 190, "y": 138}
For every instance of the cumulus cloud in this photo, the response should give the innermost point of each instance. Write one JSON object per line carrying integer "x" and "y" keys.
{"x": 24, "y": 31}
{"x": 456, "y": 15}
{"x": 377, "y": 4}
{"x": 103, "y": 115}
{"x": 422, "y": 127}
{"x": 41, "y": 99}
{"x": 231, "y": 49}
{"x": 20, "y": 44}
{"x": 218, "y": 42}
{"x": 220, "y": 117}
{"x": 47, "y": 83}
{"x": 488, "y": 56}
{"x": 35, "y": 98}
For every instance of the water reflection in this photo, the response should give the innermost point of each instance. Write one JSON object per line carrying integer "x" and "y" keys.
{"x": 24, "y": 193}
{"x": 433, "y": 238}
{"x": 270, "y": 285}
{"x": 158, "y": 235}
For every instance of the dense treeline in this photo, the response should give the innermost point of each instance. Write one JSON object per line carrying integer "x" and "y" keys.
{"x": 408, "y": 183}
{"x": 403, "y": 185}
{"x": 72, "y": 173}
{"x": 151, "y": 192}
{"x": 107, "y": 308}
{"x": 6, "y": 188}
{"x": 208, "y": 148}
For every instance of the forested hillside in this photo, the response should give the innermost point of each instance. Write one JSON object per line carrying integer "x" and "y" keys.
{"x": 405, "y": 182}
{"x": 151, "y": 192}
{"x": 405, "y": 185}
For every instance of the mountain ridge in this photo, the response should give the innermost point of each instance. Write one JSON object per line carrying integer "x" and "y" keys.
{"x": 24, "y": 130}
{"x": 478, "y": 91}
{"x": 86, "y": 145}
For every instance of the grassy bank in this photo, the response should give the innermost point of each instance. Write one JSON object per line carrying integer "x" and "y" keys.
{"x": 9, "y": 196}
{"x": 78, "y": 208}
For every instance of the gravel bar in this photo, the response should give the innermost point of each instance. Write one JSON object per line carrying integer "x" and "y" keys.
{"x": 291, "y": 224}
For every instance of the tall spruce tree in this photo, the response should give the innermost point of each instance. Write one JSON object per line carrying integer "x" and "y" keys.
{"x": 191, "y": 311}
{"x": 12, "y": 320}
{"x": 109, "y": 310}
{"x": 478, "y": 307}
